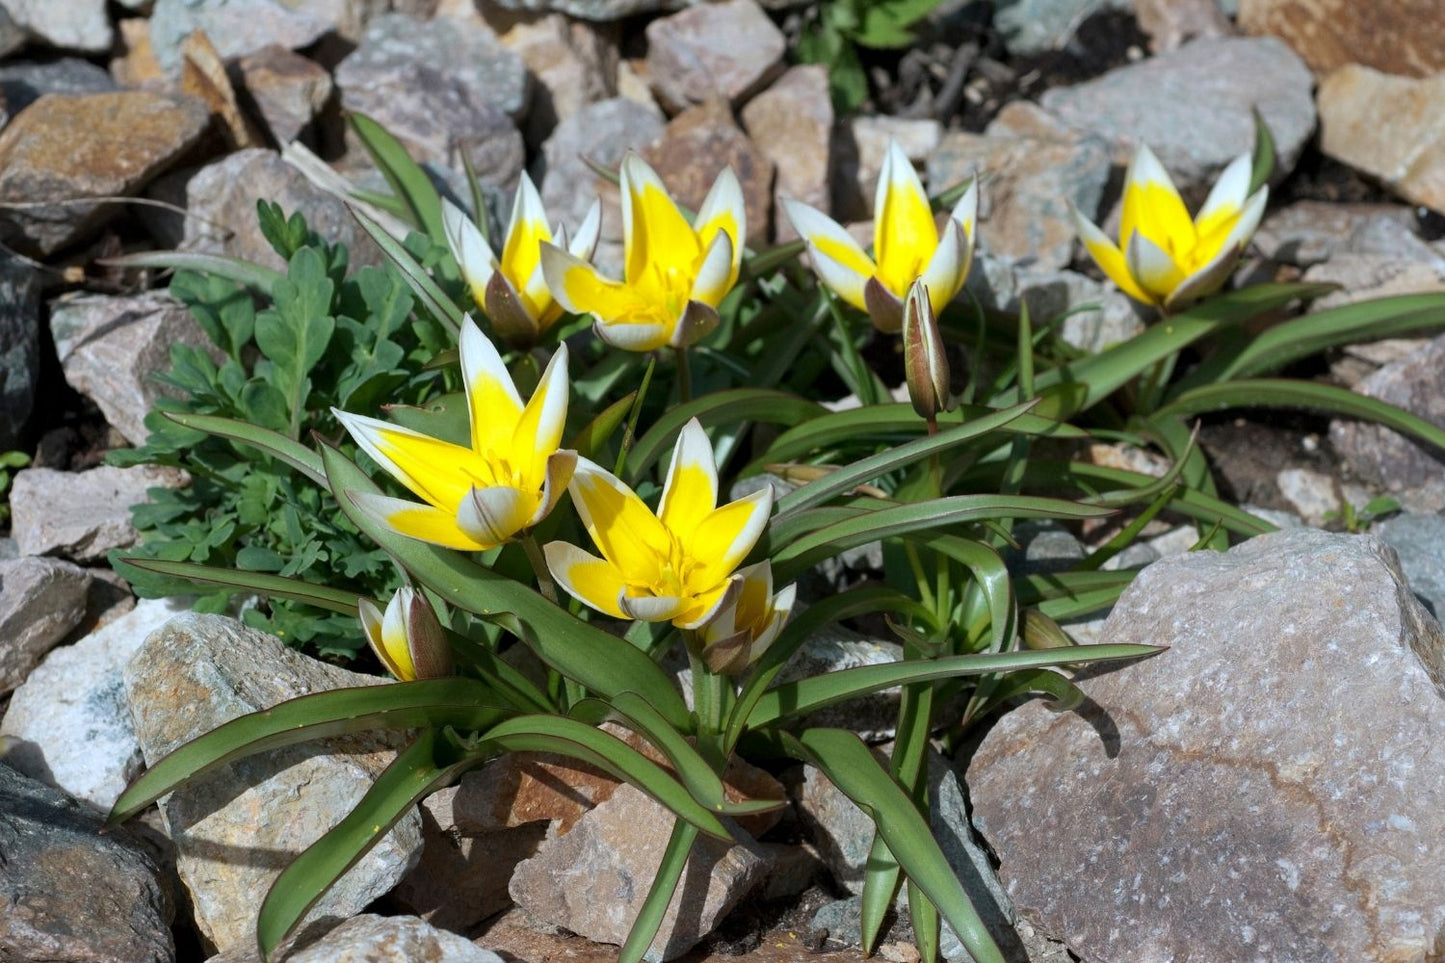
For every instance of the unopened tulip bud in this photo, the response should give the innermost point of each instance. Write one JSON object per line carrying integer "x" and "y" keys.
{"x": 747, "y": 621}
{"x": 925, "y": 362}
{"x": 408, "y": 639}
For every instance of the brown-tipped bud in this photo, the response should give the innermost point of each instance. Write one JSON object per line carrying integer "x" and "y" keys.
{"x": 409, "y": 639}
{"x": 509, "y": 317}
{"x": 925, "y": 362}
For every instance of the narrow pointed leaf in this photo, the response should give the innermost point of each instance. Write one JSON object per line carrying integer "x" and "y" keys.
{"x": 271, "y": 586}
{"x": 639, "y": 716}
{"x": 720, "y": 408}
{"x": 253, "y": 276}
{"x": 441, "y": 307}
{"x": 659, "y": 894}
{"x": 288, "y": 450}
{"x": 406, "y": 177}
{"x": 593, "y": 436}
{"x": 881, "y": 878}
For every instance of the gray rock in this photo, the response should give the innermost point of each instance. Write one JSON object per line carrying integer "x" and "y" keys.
{"x": 41, "y": 599}
{"x": 1265, "y": 788}
{"x": 12, "y": 35}
{"x": 380, "y": 939}
{"x": 1367, "y": 276}
{"x": 236, "y": 27}
{"x": 602, "y": 132}
{"x": 792, "y": 124}
{"x": 1308, "y": 232}
{"x": 858, "y": 152}
{"x": 69, "y": 722}
{"x": 200, "y": 671}
{"x": 112, "y": 347}
{"x": 1033, "y": 26}
{"x": 223, "y": 197}
{"x": 1034, "y": 171}
{"x": 1095, "y": 315}
{"x": 82, "y": 515}
{"x": 19, "y": 347}
{"x": 600, "y": 10}
{"x": 593, "y": 880}
{"x": 1192, "y": 105}
{"x": 1382, "y": 456}
{"x": 130, "y": 137}
{"x": 72, "y": 25}
{"x": 728, "y": 49}
{"x": 71, "y": 892}
{"x": 1311, "y": 493}
{"x": 24, "y": 82}
{"x": 837, "y": 647}
{"x": 1419, "y": 541}
{"x": 574, "y": 63}
{"x": 441, "y": 87}
{"x": 287, "y": 89}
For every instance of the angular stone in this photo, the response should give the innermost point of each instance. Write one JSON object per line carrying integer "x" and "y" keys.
{"x": 1382, "y": 456}
{"x": 598, "y": 10}
{"x": 287, "y": 89}
{"x": 1390, "y": 128}
{"x": 23, "y": 82}
{"x": 1397, "y": 36}
{"x": 1033, "y": 26}
{"x": 130, "y": 136}
{"x": 602, "y": 132}
{"x": 70, "y": 891}
{"x": 136, "y": 65}
{"x": 71, "y": 25}
{"x": 1032, "y": 179}
{"x": 12, "y": 35}
{"x": 442, "y": 87}
{"x": 1264, "y": 788}
{"x": 378, "y": 939}
{"x": 1192, "y": 106}
{"x": 82, "y": 515}
{"x": 112, "y": 347}
{"x": 238, "y": 27}
{"x": 223, "y": 195}
{"x": 69, "y": 721}
{"x": 200, "y": 671}
{"x": 1172, "y": 23}
{"x": 693, "y": 150}
{"x": 1366, "y": 276}
{"x": 593, "y": 880}
{"x": 574, "y": 64}
{"x": 792, "y": 124}
{"x": 729, "y": 49}
{"x": 1098, "y": 315}
{"x": 1311, "y": 493}
{"x": 1418, "y": 540}
{"x": 1308, "y": 232}
{"x": 204, "y": 76}
{"x": 858, "y": 154}
{"x": 41, "y": 599}
{"x": 19, "y": 347}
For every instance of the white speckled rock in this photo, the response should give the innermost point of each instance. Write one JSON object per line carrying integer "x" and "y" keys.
{"x": 41, "y": 599}
{"x": 380, "y": 939}
{"x": 82, "y": 515}
{"x": 238, "y": 827}
{"x": 1268, "y": 788}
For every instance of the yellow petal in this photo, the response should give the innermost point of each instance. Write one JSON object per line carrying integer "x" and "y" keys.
{"x": 423, "y": 522}
{"x": 539, "y": 429}
{"x": 586, "y": 577}
{"x": 690, "y": 492}
{"x": 653, "y": 608}
{"x": 493, "y": 516}
{"x": 655, "y": 236}
{"x": 492, "y": 397}
{"x": 1153, "y": 207}
{"x": 1109, "y": 258}
{"x": 715, "y": 275}
{"x": 1152, "y": 267}
{"x": 904, "y": 234}
{"x": 470, "y": 249}
{"x": 724, "y": 537}
{"x": 526, "y": 233}
{"x": 372, "y": 621}
{"x": 435, "y": 470}
{"x": 622, "y": 527}
{"x": 581, "y": 289}
{"x": 724, "y": 211}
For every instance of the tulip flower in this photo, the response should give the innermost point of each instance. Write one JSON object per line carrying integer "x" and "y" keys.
{"x": 925, "y": 361}
{"x": 671, "y": 566}
{"x": 496, "y": 489}
{"x": 906, "y": 242}
{"x": 674, "y": 273}
{"x": 408, "y": 639}
{"x": 747, "y": 622}
{"x": 511, "y": 289}
{"x": 1163, "y": 258}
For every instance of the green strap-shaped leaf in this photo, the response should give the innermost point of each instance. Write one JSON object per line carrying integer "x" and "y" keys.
{"x": 1284, "y": 393}
{"x": 598, "y": 660}
{"x": 881, "y": 878}
{"x": 795, "y": 699}
{"x": 659, "y": 894}
{"x": 847, "y": 762}
{"x": 272, "y": 586}
{"x": 409, "y": 778}
{"x": 590, "y": 439}
{"x": 253, "y": 276}
{"x": 808, "y": 550}
{"x": 288, "y": 450}
{"x": 639, "y": 716}
{"x": 717, "y": 408}
{"x": 406, "y": 176}
{"x": 990, "y": 574}
{"x": 1261, "y": 163}
{"x": 441, "y": 307}
{"x": 869, "y": 469}
{"x": 463, "y": 703}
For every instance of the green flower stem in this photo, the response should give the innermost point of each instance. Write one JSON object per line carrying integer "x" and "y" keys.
{"x": 629, "y": 432}
{"x": 712, "y": 697}
{"x": 925, "y": 594}
{"x": 545, "y": 585}
{"x": 684, "y": 377}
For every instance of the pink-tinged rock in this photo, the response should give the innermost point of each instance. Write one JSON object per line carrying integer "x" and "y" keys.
{"x": 729, "y": 50}
{"x": 593, "y": 880}
{"x": 41, "y": 599}
{"x": 1172, "y": 23}
{"x": 82, "y": 515}
{"x": 287, "y": 89}
{"x": 1267, "y": 788}
{"x": 858, "y": 157}
{"x": 573, "y": 62}
{"x": 1398, "y": 36}
{"x": 1388, "y": 127}
{"x": 792, "y": 124}
{"x": 695, "y": 147}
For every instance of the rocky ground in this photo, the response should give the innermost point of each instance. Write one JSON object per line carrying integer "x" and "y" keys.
{"x": 1268, "y": 790}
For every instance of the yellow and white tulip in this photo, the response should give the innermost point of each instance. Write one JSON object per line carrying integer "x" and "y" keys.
{"x": 1164, "y": 257}
{"x": 671, "y": 566}
{"x": 512, "y": 289}
{"x": 907, "y": 245}
{"x": 501, "y": 486}
{"x": 747, "y": 622}
{"x": 408, "y": 638}
{"x": 674, "y": 273}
